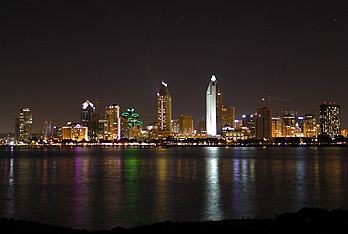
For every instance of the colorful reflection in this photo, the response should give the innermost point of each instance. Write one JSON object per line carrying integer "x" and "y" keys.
{"x": 107, "y": 187}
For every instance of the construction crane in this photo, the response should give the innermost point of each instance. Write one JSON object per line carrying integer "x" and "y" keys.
{"x": 271, "y": 99}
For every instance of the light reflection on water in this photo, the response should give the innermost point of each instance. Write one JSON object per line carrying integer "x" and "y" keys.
{"x": 98, "y": 188}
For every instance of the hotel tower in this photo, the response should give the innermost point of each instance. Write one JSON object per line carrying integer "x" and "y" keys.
{"x": 213, "y": 108}
{"x": 164, "y": 110}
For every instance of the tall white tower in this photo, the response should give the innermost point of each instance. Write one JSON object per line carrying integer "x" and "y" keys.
{"x": 211, "y": 107}
{"x": 164, "y": 109}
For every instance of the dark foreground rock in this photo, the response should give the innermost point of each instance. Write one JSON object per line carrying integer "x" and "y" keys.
{"x": 306, "y": 220}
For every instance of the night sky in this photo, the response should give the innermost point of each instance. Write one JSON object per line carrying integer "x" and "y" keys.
{"x": 54, "y": 55}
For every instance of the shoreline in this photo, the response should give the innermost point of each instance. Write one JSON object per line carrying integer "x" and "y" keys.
{"x": 307, "y": 220}
{"x": 172, "y": 146}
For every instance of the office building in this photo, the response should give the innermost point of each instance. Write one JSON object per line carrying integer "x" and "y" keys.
{"x": 310, "y": 129}
{"x": 263, "y": 123}
{"x": 277, "y": 126}
{"x": 112, "y": 124}
{"x": 164, "y": 111}
{"x": 330, "y": 120}
{"x": 185, "y": 125}
{"x": 23, "y": 126}
{"x": 89, "y": 118}
{"x": 47, "y": 129}
{"x": 228, "y": 116}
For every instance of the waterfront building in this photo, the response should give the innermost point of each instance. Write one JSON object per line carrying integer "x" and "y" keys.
{"x": 277, "y": 126}
{"x": 263, "y": 123}
{"x": 47, "y": 129}
{"x": 131, "y": 126}
{"x": 151, "y": 131}
{"x": 101, "y": 128}
{"x": 185, "y": 125}
{"x": 112, "y": 124}
{"x": 289, "y": 120}
{"x": 344, "y": 133}
{"x": 309, "y": 126}
{"x": 164, "y": 111}
{"x": 228, "y": 116}
{"x": 234, "y": 135}
{"x": 89, "y": 118}
{"x": 201, "y": 130}
{"x": 23, "y": 126}
{"x": 249, "y": 121}
{"x": 330, "y": 120}
{"x": 57, "y": 133}
{"x": 175, "y": 127}
{"x": 74, "y": 132}
{"x": 213, "y": 108}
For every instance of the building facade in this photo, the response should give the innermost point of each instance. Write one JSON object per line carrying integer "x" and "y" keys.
{"x": 263, "y": 123}
{"x": 75, "y": 132}
{"x": 330, "y": 120}
{"x": 89, "y": 118}
{"x": 23, "y": 128}
{"x": 164, "y": 111}
{"x": 228, "y": 116}
{"x": 47, "y": 133}
{"x": 309, "y": 127}
{"x": 185, "y": 125}
{"x": 213, "y": 108}
{"x": 112, "y": 124}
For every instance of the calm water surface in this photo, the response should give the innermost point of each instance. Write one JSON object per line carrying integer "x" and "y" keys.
{"x": 101, "y": 188}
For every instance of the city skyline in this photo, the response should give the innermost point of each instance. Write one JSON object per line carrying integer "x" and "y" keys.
{"x": 88, "y": 106}
{"x": 56, "y": 56}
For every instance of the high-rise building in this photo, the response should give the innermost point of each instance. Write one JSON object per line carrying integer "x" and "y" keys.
{"x": 164, "y": 110}
{"x": 23, "y": 126}
{"x": 330, "y": 120}
{"x": 74, "y": 132}
{"x": 185, "y": 125}
{"x": 228, "y": 116}
{"x": 131, "y": 126}
{"x": 310, "y": 129}
{"x": 88, "y": 118}
{"x": 175, "y": 127}
{"x": 289, "y": 123}
{"x": 112, "y": 127}
{"x": 201, "y": 127}
{"x": 47, "y": 129}
{"x": 277, "y": 127}
{"x": 263, "y": 123}
{"x": 249, "y": 121}
{"x": 213, "y": 108}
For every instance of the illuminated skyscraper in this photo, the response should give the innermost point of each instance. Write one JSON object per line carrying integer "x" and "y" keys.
{"x": 289, "y": 123}
{"x": 185, "y": 125}
{"x": 23, "y": 127}
{"x": 228, "y": 116}
{"x": 131, "y": 125}
{"x": 213, "y": 108}
{"x": 249, "y": 121}
{"x": 276, "y": 126}
{"x": 330, "y": 120}
{"x": 310, "y": 127}
{"x": 164, "y": 110}
{"x": 112, "y": 127}
{"x": 47, "y": 129}
{"x": 263, "y": 123}
{"x": 88, "y": 118}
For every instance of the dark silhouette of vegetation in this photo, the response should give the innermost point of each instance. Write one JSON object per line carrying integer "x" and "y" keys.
{"x": 306, "y": 220}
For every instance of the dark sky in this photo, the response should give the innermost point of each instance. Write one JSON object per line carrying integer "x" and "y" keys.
{"x": 54, "y": 55}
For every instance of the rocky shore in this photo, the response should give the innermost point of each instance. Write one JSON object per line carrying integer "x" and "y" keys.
{"x": 306, "y": 220}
